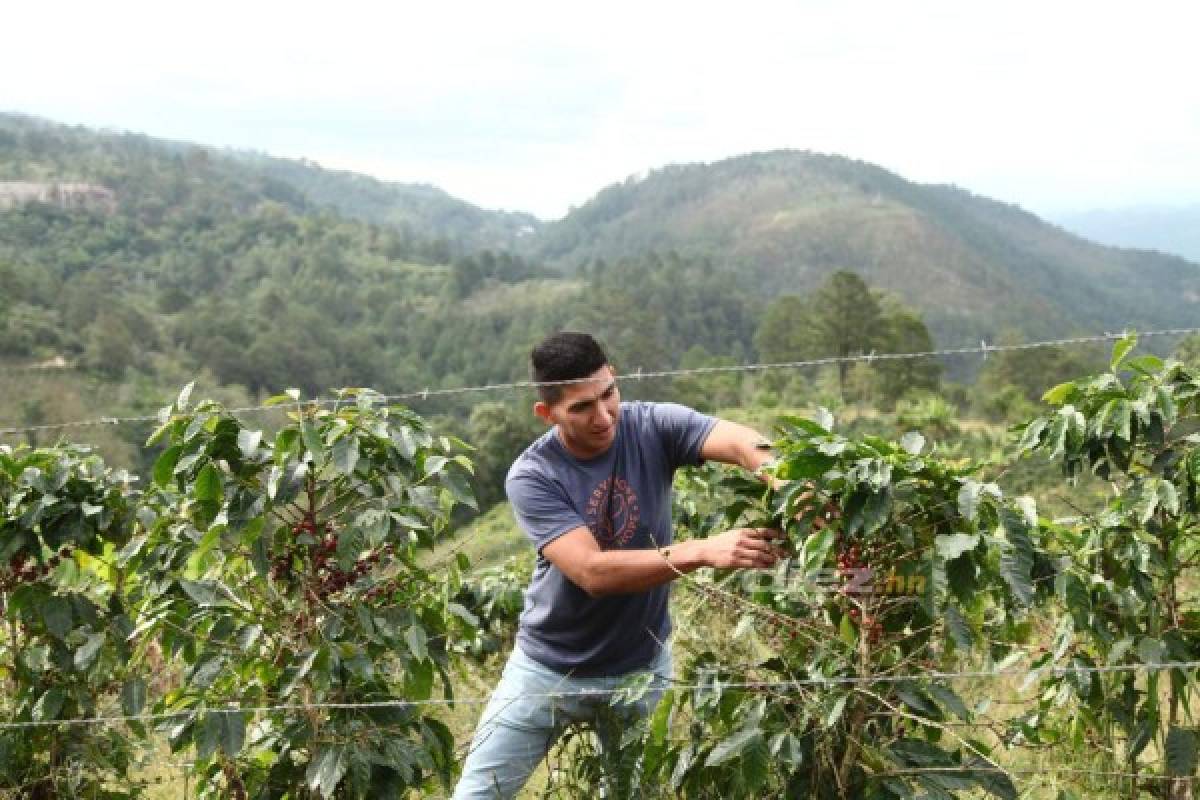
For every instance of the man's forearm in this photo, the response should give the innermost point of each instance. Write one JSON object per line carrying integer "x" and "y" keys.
{"x": 625, "y": 571}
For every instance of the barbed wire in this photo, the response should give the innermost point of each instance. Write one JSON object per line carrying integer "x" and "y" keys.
{"x": 628, "y": 691}
{"x": 52, "y": 365}
{"x": 983, "y": 348}
{"x": 998, "y": 770}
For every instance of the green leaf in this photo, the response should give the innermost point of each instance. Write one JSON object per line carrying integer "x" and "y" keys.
{"x": 164, "y": 467}
{"x": 733, "y": 746}
{"x": 56, "y": 615}
{"x": 185, "y": 394}
{"x": 49, "y": 704}
{"x": 1120, "y": 350}
{"x": 248, "y": 636}
{"x": 299, "y": 671}
{"x": 952, "y": 545}
{"x": 418, "y": 679}
{"x": 204, "y": 593}
{"x": 206, "y": 672}
{"x": 1151, "y": 651}
{"x": 133, "y": 696}
{"x": 312, "y": 439}
{"x": 1181, "y": 751}
{"x": 85, "y": 654}
{"x": 248, "y": 442}
{"x": 233, "y": 732}
{"x": 1016, "y": 564}
{"x": 968, "y": 499}
{"x": 345, "y": 455}
{"x": 208, "y": 485}
{"x": 290, "y": 396}
{"x": 208, "y": 734}
{"x": 876, "y": 511}
{"x": 997, "y": 784}
{"x": 460, "y": 489}
{"x": 326, "y": 770}
{"x": 1168, "y": 497}
{"x": 835, "y": 712}
{"x": 1059, "y": 394}
{"x": 950, "y": 700}
{"x": 803, "y": 465}
{"x": 916, "y": 700}
{"x": 1031, "y": 435}
{"x": 958, "y": 628}
{"x": 415, "y": 638}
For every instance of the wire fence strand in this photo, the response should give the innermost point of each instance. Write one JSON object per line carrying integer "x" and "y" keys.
{"x": 621, "y": 691}
{"x": 869, "y": 358}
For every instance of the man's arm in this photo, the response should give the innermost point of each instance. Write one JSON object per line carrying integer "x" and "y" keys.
{"x": 731, "y": 443}
{"x": 601, "y": 572}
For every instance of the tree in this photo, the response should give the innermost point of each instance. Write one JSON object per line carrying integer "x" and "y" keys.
{"x": 707, "y": 393}
{"x": 1189, "y": 351}
{"x": 782, "y": 335}
{"x": 499, "y": 432}
{"x": 110, "y": 347}
{"x": 843, "y": 318}
{"x": 1032, "y": 370}
{"x": 905, "y": 332}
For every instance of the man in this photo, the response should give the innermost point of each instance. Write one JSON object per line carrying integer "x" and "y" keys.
{"x": 594, "y": 495}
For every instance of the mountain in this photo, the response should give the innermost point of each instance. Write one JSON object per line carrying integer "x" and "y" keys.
{"x": 419, "y": 208}
{"x": 1163, "y": 228}
{"x": 40, "y": 149}
{"x": 782, "y": 221}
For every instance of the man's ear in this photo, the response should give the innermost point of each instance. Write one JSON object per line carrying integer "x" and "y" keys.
{"x": 542, "y": 410}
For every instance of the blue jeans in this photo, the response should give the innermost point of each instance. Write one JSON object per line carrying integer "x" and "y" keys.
{"x": 521, "y": 724}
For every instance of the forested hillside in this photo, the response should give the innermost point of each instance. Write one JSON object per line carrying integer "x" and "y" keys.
{"x": 783, "y": 221}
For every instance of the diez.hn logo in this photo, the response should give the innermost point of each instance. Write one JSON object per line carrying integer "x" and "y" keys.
{"x": 851, "y": 580}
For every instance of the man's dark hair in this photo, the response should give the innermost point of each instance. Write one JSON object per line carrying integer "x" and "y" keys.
{"x": 564, "y": 356}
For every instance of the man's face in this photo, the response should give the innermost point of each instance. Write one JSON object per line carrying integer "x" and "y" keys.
{"x": 586, "y": 414}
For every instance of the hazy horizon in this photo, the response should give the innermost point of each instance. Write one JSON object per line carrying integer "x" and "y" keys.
{"x": 535, "y": 107}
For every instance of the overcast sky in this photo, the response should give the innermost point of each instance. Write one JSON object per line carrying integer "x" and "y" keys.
{"x": 1052, "y": 105}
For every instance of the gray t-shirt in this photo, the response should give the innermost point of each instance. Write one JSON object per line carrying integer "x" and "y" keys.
{"x": 624, "y": 497}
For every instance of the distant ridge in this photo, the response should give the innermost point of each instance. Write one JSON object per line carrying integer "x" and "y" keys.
{"x": 781, "y": 221}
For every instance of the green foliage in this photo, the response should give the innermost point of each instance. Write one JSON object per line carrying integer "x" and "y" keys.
{"x": 499, "y": 432}
{"x": 1129, "y": 564}
{"x": 1032, "y": 370}
{"x": 926, "y": 564}
{"x": 1189, "y": 351}
{"x": 66, "y": 650}
{"x": 844, "y": 317}
{"x": 283, "y": 571}
{"x": 904, "y": 332}
{"x": 928, "y": 413}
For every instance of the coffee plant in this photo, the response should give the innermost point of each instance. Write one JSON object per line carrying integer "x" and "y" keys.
{"x": 902, "y": 563}
{"x": 1128, "y": 578}
{"x": 65, "y": 652}
{"x": 282, "y": 572}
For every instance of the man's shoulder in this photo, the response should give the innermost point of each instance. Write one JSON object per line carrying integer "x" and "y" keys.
{"x": 645, "y": 413}
{"x": 535, "y": 459}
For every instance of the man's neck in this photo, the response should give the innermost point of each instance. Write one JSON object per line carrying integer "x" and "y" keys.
{"x": 581, "y": 453}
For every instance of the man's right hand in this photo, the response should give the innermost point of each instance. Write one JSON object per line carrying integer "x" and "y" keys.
{"x": 743, "y": 548}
